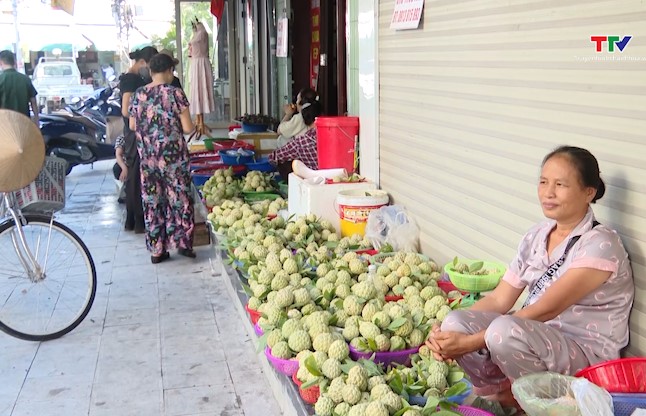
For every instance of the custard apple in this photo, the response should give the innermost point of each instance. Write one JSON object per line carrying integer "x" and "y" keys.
{"x": 406, "y": 329}
{"x": 290, "y": 326}
{"x": 322, "y": 342}
{"x": 358, "y": 376}
{"x": 352, "y": 306}
{"x": 281, "y": 350}
{"x": 383, "y": 342}
{"x": 393, "y": 402}
{"x": 379, "y": 391}
{"x": 377, "y": 409}
{"x": 274, "y": 337}
{"x": 381, "y": 319}
{"x": 436, "y": 380}
{"x": 369, "y": 310}
{"x": 342, "y": 409}
{"x": 443, "y": 312}
{"x": 375, "y": 380}
{"x": 299, "y": 341}
{"x": 351, "y": 394}
{"x": 338, "y": 350}
{"x": 369, "y": 330}
{"x": 324, "y": 406}
{"x": 331, "y": 368}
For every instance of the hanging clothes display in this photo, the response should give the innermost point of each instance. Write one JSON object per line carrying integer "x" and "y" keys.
{"x": 201, "y": 73}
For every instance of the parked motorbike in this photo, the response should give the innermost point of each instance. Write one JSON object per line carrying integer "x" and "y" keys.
{"x": 76, "y": 138}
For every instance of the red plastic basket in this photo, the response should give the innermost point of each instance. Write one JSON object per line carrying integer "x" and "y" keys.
{"x": 625, "y": 375}
{"x": 386, "y": 358}
{"x": 287, "y": 367}
{"x": 309, "y": 395}
{"x": 393, "y": 298}
{"x": 254, "y": 315}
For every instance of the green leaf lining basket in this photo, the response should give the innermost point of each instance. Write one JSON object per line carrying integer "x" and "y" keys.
{"x": 476, "y": 283}
{"x": 250, "y": 197}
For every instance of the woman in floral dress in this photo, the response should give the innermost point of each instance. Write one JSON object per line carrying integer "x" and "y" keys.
{"x": 160, "y": 116}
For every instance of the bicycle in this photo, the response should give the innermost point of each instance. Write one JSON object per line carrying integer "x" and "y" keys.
{"x": 47, "y": 274}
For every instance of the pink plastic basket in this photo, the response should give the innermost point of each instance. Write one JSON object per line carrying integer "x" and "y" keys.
{"x": 258, "y": 330}
{"x": 386, "y": 358}
{"x": 287, "y": 367}
{"x": 473, "y": 411}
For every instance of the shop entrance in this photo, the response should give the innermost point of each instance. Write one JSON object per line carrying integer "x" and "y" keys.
{"x": 319, "y": 51}
{"x": 224, "y": 95}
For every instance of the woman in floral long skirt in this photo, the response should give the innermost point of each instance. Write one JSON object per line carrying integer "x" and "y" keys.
{"x": 160, "y": 117}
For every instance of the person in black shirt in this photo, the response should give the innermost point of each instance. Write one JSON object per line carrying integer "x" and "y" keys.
{"x": 137, "y": 76}
{"x": 176, "y": 82}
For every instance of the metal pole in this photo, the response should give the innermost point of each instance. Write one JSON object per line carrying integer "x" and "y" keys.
{"x": 16, "y": 46}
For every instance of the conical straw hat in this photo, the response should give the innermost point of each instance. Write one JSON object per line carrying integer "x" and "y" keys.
{"x": 22, "y": 151}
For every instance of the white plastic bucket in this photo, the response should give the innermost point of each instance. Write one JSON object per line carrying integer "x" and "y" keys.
{"x": 355, "y": 207}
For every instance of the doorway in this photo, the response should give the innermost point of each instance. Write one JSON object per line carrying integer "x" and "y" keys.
{"x": 219, "y": 53}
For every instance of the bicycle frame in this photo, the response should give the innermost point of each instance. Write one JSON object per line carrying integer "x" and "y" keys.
{"x": 26, "y": 257}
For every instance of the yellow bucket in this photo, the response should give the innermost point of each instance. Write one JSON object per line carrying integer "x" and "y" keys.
{"x": 355, "y": 207}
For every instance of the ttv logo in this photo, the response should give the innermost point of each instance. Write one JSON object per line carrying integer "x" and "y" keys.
{"x": 612, "y": 42}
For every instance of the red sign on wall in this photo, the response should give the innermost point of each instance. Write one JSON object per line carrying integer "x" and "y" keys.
{"x": 316, "y": 43}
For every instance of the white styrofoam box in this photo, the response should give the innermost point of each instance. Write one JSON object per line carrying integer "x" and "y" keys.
{"x": 306, "y": 198}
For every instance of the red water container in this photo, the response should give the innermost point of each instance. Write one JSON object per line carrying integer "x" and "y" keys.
{"x": 337, "y": 142}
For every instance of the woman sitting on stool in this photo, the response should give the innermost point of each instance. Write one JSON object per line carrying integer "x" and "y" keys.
{"x": 580, "y": 291}
{"x": 302, "y": 147}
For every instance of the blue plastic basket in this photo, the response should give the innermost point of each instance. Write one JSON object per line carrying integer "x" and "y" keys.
{"x": 236, "y": 157}
{"x": 421, "y": 400}
{"x": 261, "y": 165}
{"x": 626, "y": 403}
{"x": 200, "y": 180}
{"x": 254, "y": 128}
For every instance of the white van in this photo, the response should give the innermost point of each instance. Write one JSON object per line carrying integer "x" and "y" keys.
{"x": 58, "y": 79}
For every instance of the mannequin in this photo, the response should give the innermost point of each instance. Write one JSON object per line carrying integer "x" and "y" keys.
{"x": 201, "y": 75}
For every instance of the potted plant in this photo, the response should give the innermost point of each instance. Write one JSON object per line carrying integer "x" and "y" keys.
{"x": 256, "y": 123}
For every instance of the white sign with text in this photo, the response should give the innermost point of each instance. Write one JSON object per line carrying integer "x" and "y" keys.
{"x": 281, "y": 38}
{"x": 407, "y": 14}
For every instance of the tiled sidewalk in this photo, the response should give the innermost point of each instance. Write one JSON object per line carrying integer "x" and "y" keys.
{"x": 160, "y": 339}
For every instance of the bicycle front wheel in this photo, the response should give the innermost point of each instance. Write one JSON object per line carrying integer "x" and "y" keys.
{"x": 49, "y": 306}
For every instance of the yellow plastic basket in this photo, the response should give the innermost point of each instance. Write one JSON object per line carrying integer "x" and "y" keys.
{"x": 476, "y": 283}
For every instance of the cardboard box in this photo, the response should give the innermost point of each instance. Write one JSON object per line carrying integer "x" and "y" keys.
{"x": 305, "y": 198}
{"x": 201, "y": 235}
{"x": 264, "y": 143}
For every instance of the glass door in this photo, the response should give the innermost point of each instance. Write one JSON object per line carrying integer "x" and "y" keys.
{"x": 248, "y": 47}
{"x": 190, "y": 12}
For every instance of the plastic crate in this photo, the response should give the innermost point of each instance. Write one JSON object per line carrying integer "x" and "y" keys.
{"x": 625, "y": 403}
{"x": 47, "y": 192}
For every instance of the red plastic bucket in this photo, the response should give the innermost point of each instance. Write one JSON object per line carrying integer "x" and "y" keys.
{"x": 337, "y": 142}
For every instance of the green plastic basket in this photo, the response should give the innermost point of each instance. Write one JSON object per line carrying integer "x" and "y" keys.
{"x": 476, "y": 283}
{"x": 284, "y": 188}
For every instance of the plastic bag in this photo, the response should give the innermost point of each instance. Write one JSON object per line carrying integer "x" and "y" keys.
{"x": 553, "y": 394}
{"x": 392, "y": 225}
{"x": 592, "y": 399}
